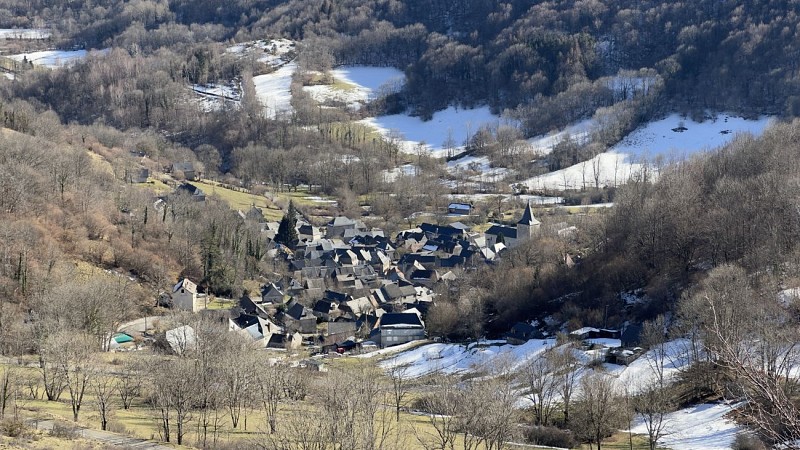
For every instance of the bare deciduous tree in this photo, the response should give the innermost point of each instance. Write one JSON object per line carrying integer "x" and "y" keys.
{"x": 539, "y": 380}
{"x": 599, "y": 410}
{"x": 104, "y": 388}
{"x": 755, "y": 340}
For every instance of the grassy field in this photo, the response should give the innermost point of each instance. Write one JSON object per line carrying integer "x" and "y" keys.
{"x": 239, "y": 200}
{"x": 158, "y": 186}
{"x": 142, "y": 421}
{"x": 219, "y": 303}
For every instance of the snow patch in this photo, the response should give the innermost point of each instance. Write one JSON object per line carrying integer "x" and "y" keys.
{"x": 701, "y": 426}
{"x": 664, "y": 139}
{"x": 579, "y": 133}
{"x": 274, "y": 91}
{"x": 412, "y": 133}
{"x": 479, "y": 165}
{"x": 52, "y": 58}
{"x": 672, "y": 138}
{"x": 365, "y": 83}
{"x": 274, "y": 52}
{"x": 459, "y": 359}
{"x": 24, "y": 33}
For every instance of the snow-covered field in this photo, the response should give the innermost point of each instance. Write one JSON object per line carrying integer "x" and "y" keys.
{"x": 457, "y": 123}
{"x": 578, "y": 132}
{"x": 212, "y": 97}
{"x": 701, "y": 426}
{"x": 480, "y": 165}
{"x": 363, "y": 83}
{"x": 641, "y": 372}
{"x": 534, "y": 199}
{"x": 51, "y": 58}
{"x": 406, "y": 170}
{"x": 659, "y": 139}
{"x": 698, "y": 427}
{"x": 459, "y": 359}
{"x": 611, "y": 168}
{"x": 24, "y": 33}
{"x": 274, "y": 90}
{"x": 669, "y": 139}
{"x": 274, "y": 52}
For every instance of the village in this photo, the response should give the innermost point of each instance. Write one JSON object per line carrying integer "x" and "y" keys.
{"x": 352, "y": 289}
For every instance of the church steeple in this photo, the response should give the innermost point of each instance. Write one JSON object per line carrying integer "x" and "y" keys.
{"x": 527, "y": 217}
{"x": 527, "y": 225}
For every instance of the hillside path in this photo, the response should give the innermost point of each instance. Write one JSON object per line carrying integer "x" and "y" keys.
{"x": 107, "y": 437}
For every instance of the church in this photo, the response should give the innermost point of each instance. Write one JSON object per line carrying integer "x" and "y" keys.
{"x": 526, "y": 228}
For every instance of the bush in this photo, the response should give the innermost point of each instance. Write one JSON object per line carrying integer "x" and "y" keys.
{"x": 550, "y": 437}
{"x": 748, "y": 442}
{"x": 13, "y": 427}
{"x": 62, "y": 431}
{"x": 117, "y": 427}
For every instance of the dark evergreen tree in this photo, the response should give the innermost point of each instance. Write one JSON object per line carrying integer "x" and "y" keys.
{"x": 500, "y": 238}
{"x": 215, "y": 275}
{"x": 287, "y": 234}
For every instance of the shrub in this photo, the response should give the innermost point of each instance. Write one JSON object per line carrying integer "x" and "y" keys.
{"x": 13, "y": 427}
{"x": 748, "y": 442}
{"x": 550, "y": 437}
{"x": 62, "y": 431}
{"x": 117, "y": 427}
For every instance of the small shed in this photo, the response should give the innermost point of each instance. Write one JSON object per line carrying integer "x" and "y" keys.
{"x": 459, "y": 209}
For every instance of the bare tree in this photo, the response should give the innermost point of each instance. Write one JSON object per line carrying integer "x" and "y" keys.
{"x": 129, "y": 383}
{"x": 754, "y": 339}
{"x": 599, "y": 410}
{"x": 441, "y": 408}
{"x": 541, "y": 384}
{"x": 651, "y": 406}
{"x": 74, "y": 357}
{"x": 271, "y": 393}
{"x": 172, "y": 397}
{"x": 104, "y": 388}
{"x": 566, "y": 368}
{"x": 8, "y": 389}
{"x": 398, "y": 375}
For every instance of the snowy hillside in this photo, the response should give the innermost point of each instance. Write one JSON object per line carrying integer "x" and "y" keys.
{"x": 457, "y": 123}
{"x": 51, "y": 58}
{"x": 274, "y": 91}
{"x": 24, "y": 33}
{"x": 479, "y": 168}
{"x": 577, "y": 132}
{"x": 361, "y": 84}
{"x": 274, "y": 52}
{"x": 458, "y": 359}
{"x": 702, "y": 426}
{"x": 669, "y": 139}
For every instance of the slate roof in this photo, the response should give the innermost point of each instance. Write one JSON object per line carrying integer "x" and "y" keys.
{"x": 186, "y": 284}
{"x": 245, "y": 321}
{"x": 335, "y": 296}
{"x": 527, "y": 217}
{"x": 323, "y": 306}
{"x": 191, "y": 190}
{"x": 508, "y": 232}
{"x": 296, "y": 311}
{"x": 400, "y": 320}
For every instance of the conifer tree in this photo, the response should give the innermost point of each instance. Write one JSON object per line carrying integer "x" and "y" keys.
{"x": 287, "y": 234}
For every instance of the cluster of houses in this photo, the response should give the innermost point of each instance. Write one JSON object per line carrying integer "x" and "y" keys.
{"x": 351, "y": 284}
